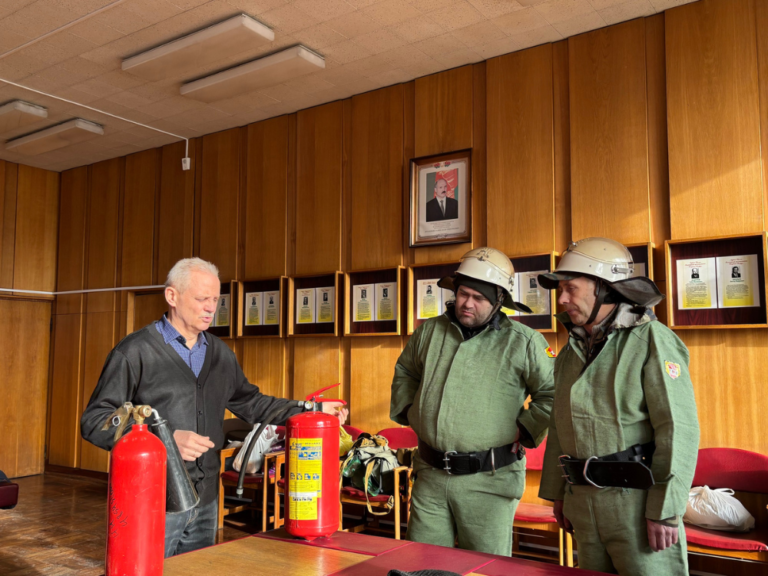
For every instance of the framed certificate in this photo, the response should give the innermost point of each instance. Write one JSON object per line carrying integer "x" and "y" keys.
{"x": 313, "y": 307}
{"x": 224, "y": 320}
{"x": 372, "y": 302}
{"x": 260, "y": 309}
{"x": 305, "y": 306}
{"x": 386, "y": 301}
{"x": 717, "y": 282}
{"x": 325, "y": 304}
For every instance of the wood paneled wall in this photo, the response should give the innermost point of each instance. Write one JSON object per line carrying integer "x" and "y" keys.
{"x": 521, "y": 145}
{"x": 568, "y": 140}
{"x": 24, "y": 350}
{"x": 717, "y": 188}
{"x": 714, "y": 119}
{"x": 29, "y": 218}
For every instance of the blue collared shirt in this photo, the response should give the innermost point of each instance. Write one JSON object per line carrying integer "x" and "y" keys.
{"x": 194, "y": 357}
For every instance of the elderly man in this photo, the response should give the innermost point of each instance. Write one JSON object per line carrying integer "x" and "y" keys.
{"x": 442, "y": 207}
{"x": 623, "y": 438}
{"x": 461, "y": 383}
{"x": 190, "y": 377}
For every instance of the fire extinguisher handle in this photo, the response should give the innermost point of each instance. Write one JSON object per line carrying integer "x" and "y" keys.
{"x": 317, "y": 393}
{"x": 330, "y": 400}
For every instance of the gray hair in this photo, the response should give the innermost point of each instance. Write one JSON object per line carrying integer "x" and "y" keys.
{"x": 178, "y": 276}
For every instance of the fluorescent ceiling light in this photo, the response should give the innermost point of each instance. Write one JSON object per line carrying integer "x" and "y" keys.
{"x": 18, "y": 113}
{"x": 268, "y": 71}
{"x": 55, "y": 137}
{"x": 200, "y": 49}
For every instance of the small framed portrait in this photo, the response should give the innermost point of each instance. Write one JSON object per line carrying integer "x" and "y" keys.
{"x": 441, "y": 199}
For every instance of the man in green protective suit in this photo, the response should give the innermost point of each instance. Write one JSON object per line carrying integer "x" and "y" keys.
{"x": 461, "y": 383}
{"x": 624, "y": 432}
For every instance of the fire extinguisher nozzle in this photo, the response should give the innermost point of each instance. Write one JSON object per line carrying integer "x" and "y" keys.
{"x": 180, "y": 491}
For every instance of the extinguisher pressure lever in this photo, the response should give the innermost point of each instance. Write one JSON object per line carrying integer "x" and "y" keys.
{"x": 318, "y": 394}
{"x": 120, "y": 417}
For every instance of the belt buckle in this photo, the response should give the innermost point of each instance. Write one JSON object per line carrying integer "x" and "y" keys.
{"x": 565, "y": 470}
{"x": 586, "y": 476}
{"x": 447, "y": 459}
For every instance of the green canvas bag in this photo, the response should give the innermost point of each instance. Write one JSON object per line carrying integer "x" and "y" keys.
{"x": 370, "y": 467}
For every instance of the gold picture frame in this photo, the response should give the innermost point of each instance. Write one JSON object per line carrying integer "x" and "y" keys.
{"x": 441, "y": 199}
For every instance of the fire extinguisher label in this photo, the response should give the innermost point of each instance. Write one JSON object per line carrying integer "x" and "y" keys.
{"x": 305, "y": 477}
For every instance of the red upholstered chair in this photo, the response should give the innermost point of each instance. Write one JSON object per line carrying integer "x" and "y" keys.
{"x": 352, "y": 431}
{"x": 9, "y": 493}
{"x": 746, "y": 473}
{"x": 535, "y": 516}
{"x": 397, "y": 438}
{"x": 253, "y": 482}
{"x": 400, "y": 437}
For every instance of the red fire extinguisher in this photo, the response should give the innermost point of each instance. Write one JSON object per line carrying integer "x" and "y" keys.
{"x": 312, "y": 470}
{"x": 137, "y": 473}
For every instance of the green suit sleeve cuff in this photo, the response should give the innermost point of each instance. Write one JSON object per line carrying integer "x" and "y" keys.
{"x": 535, "y": 432}
{"x": 666, "y": 500}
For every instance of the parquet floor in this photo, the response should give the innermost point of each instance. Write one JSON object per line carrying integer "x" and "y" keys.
{"x": 59, "y": 527}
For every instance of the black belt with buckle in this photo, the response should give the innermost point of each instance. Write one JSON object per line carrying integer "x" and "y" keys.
{"x": 459, "y": 463}
{"x": 629, "y": 468}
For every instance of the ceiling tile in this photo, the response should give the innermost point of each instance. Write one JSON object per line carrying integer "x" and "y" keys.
{"x": 537, "y": 37}
{"x": 495, "y": 8}
{"x": 580, "y": 24}
{"x": 8, "y": 7}
{"x": 325, "y": 10}
{"x": 37, "y": 19}
{"x": 121, "y": 19}
{"x": 10, "y": 39}
{"x": 347, "y": 51}
{"x": 626, "y": 11}
{"x": 352, "y": 25}
{"x": 318, "y": 37}
{"x": 520, "y": 21}
{"x": 170, "y": 106}
{"x": 603, "y": 4}
{"x": 498, "y": 47}
{"x": 480, "y": 33}
{"x": 456, "y": 16}
{"x": 287, "y": 19}
{"x": 391, "y": 12}
{"x": 418, "y": 29}
{"x": 439, "y": 45}
{"x": 362, "y": 3}
{"x": 243, "y": 103}
{"x": 392, "y": 77}
{"x": 662, "y": 5}
{"x": 379, "y": 41}
{"x": 556, "y": 11}
{"x": 256, "y": 7}
{"x": 426, "y": 6}
{"x": 157, "y": 10}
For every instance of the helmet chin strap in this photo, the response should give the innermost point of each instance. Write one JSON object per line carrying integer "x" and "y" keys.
{"x": 601, "y": 291}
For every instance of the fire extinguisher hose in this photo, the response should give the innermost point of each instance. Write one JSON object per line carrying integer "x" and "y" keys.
{"x": 268, "y": 419}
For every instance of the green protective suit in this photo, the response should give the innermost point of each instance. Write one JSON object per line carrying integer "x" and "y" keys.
{"x": 636, "y": 389}
{"x": 468, "y": 395}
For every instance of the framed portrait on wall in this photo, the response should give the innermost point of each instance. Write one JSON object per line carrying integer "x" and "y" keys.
{"x": 441, "y": 199}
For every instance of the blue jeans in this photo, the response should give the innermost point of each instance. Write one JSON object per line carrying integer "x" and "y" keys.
{"x": 191, "y": 530}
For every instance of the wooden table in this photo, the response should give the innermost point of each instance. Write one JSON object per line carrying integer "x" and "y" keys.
{"x": 347, "y": 554}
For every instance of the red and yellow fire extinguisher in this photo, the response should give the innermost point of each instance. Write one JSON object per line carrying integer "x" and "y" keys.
{"x": 312, "y": 470}
{"x": 137, "y": 475}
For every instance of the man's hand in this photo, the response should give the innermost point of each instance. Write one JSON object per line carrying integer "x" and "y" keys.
{"x": 661, "y": 536}
{"x": 562, "y": 521}
{"x": 191, "y": 445}
{"x": 336, "y": 409}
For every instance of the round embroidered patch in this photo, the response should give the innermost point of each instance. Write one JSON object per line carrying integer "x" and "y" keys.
{"x": 551, "y": 353}
{"x": 672, "y": 369}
